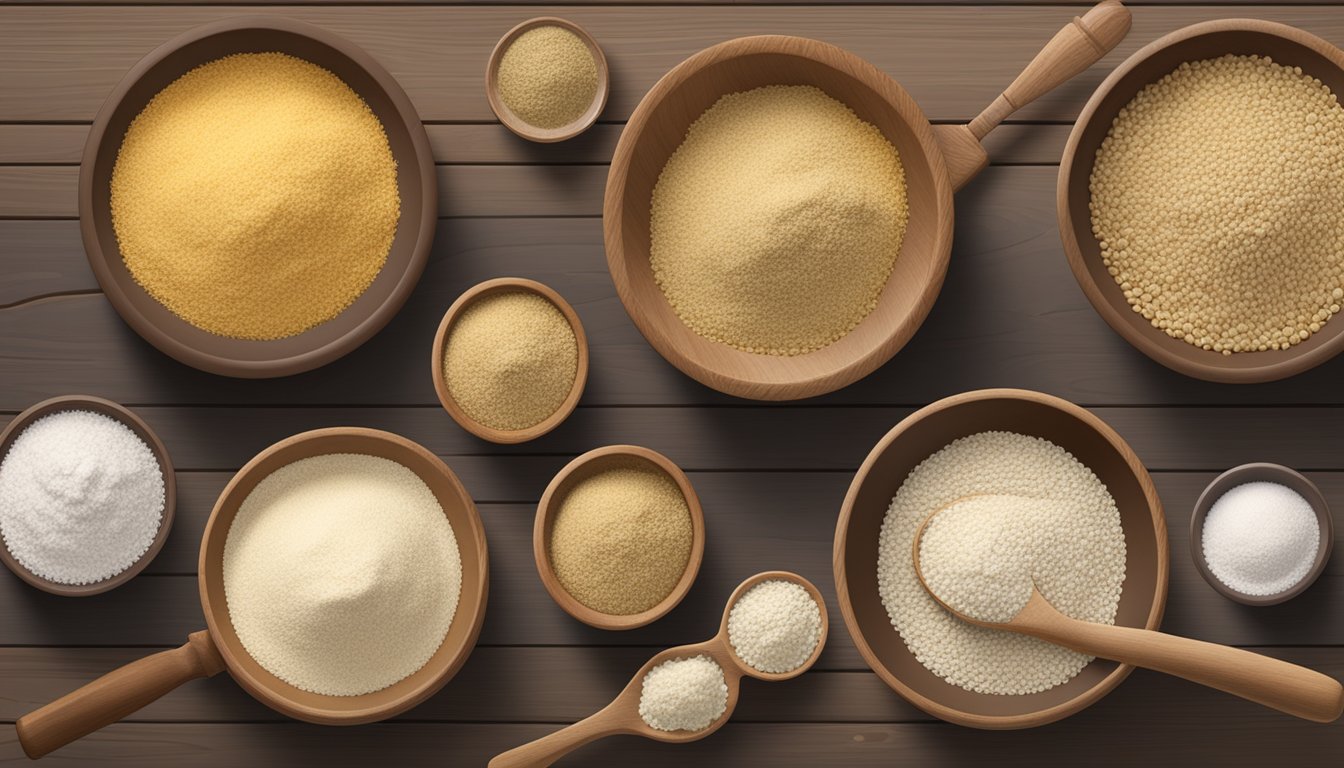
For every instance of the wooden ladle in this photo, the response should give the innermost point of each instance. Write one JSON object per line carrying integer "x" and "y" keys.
{"x": 1298, "y": 691}
{"x": 621, "y": 716}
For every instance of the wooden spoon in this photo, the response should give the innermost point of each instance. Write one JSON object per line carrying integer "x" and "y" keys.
{"x": 621, "y": 716}
{"x": 1298, "y": 691}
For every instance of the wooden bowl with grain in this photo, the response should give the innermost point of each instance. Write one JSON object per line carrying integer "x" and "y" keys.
{"x": 520, "y": 126}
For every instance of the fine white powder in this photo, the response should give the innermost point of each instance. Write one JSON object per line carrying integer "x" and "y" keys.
{"x": 775, "y": 626}
{"x": 1261, "y": 538}
{"x": 683, "y": 694}
{"x": 341, "y": 573}
{"x": 1081, "y": 574}
{"x": 81, "y": 497}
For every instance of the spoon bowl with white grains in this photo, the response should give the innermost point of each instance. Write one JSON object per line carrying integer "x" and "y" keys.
{"x": 997, "y": 590}
{"x": 626, "y": 713}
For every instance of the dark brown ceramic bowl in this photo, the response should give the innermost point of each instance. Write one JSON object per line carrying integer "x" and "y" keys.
{"x": 925, "y": 432}
{"x": 585, "y": 466}
{"x": 415, "y": 182}
{"x": 142, "y": 430}
{"x": 1210, "y": 39}
{"x": 1251, "y": 473}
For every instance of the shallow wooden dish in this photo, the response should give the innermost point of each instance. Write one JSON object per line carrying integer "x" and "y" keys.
{"x": 521, "y": 127}
{"x": 581, "y": 468}
{"x": 209, "y": 652}
{"x": 923, "y": 433}
{"x": 1250, "y": 473}
{"x": 492, "y": 287}
{"x": 142, "y": 430}
{"x": 416, "y": 185}
{"x": 1210, "y": 39}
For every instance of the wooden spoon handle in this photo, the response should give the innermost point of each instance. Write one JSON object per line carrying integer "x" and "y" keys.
{"x": 1073, "y": 49}
{"x": 553, "y": 746}
{"x": 1298, "y": 691}
{"x": 116, "y": 695}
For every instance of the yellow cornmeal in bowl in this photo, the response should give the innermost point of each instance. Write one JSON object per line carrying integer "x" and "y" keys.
{"x": 776, "y": 224}
{"x": 548, "y": 77}
{"x": 255, "y": 197}
{"x": 510, "y": 360}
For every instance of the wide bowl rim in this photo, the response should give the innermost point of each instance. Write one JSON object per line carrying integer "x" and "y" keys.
{"x": 1197, "y": 363}
{"x": 999, "y": 722}
{"x": 99, "y": 256}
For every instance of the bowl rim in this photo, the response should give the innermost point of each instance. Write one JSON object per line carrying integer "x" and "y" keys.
{"x": 999, "y": 722}
{"x": 887, "y": 343}
{"x": 548, "y": 506}
{"x": 1253, "y": 471}
{"x": 1205, "y": 365}
{"x": 132, "y": 421}
{"x": 99, "y": 257}
{"x": 520, "y": 126}
{"x": 470, "y": 296}
{"x": 215, "y": 606}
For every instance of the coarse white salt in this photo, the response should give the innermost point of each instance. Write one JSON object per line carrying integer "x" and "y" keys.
{"x": 1081, "y": 576}
{"x": 1261, "y": 538}
{"x": 81, "y": 497}
{"x": 775, "y": 626}
{"x": 683, "y": 694}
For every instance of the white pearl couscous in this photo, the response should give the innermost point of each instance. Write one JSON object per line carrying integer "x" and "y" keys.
{"x": 1218, "y": 202}
{"x": 775, "y": 626}
{"x": 683, "y": 694}
{"x": 1078, "y": 565}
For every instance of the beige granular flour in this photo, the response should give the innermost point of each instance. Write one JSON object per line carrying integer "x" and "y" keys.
{"x": 255, "y": 197}
{"x": 341, "y": 573}
{"x": 1075, "y": 537}
{"x": 776, "y": 223}
{"x": 510, "y": 360}
{"x": 621, "y": 539}
{"x": 548, "y": 77}
{"x": 1218, "y": 201}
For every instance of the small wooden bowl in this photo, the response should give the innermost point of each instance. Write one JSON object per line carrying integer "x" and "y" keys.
{"x": 582, "y": 468}
{"x": 1211, "y": 39}
{"x": 1250, "y": 473}
{"x": 416, "y": 184}
{"x": 521, "y": 127}
{"x": 142, "y": 430}
{"x": 741, "y": 590}
{"x": 494, "y": 287}
{"x": 927, "y": 431}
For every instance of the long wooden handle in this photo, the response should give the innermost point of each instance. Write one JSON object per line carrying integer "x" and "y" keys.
{"x": 116, "y": 695}
{"x": 1073, "y": 49}
{"x": 1298, "y": 691}
{"x": 553, "y": 746}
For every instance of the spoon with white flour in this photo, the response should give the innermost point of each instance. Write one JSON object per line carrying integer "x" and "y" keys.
{"x": 977, "y": 564}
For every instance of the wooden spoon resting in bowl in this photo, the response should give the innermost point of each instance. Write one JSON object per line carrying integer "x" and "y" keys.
{"x": 1298, "y": 691}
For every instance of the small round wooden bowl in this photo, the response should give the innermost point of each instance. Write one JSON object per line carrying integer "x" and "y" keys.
{"x": 457, "y": 644}
{"x": 494, "y": 287}
{"x": 521, "y": 127}
{"x": 658, "y": 127}
{"x": 416, "y": 185}
{"x": 1251, "y": 473}
{"x": 1211, "y": 39}
{"x": 927, "y": 431}
{"x": 142, "y": 430}
{"x": 741, "y": 590}
{"x": 585, "y": 466}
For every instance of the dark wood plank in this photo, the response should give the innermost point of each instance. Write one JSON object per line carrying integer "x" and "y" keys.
{"x": 953, "y": 68}
{"x": 1011, "y": 314}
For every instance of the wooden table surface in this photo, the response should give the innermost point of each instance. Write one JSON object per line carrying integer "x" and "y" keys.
{"x": 771, "y": 476}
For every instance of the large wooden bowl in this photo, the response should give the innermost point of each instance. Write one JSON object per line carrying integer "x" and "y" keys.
{"x": 1210, "y": 39}
{"x": 415, "y": 183}
{"x": 657, "y": 128}
{"x": 923, "y": 433}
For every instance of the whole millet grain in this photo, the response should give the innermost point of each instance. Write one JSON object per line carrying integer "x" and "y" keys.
{"x": 776, "y": 223}
{"x": 510, "y": 360}
{"x": 1218, "y": 203}
{"x": 548, "y": 77}
{"x": 255, "y": 197}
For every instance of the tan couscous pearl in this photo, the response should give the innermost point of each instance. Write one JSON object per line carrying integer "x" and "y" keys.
{"x": 548, "y": 77}
{"x": 1218, "y": 201}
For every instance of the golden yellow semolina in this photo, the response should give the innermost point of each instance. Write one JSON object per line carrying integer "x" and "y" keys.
{"x": 255, "y": 197}
{"x": 776, "y": 224}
